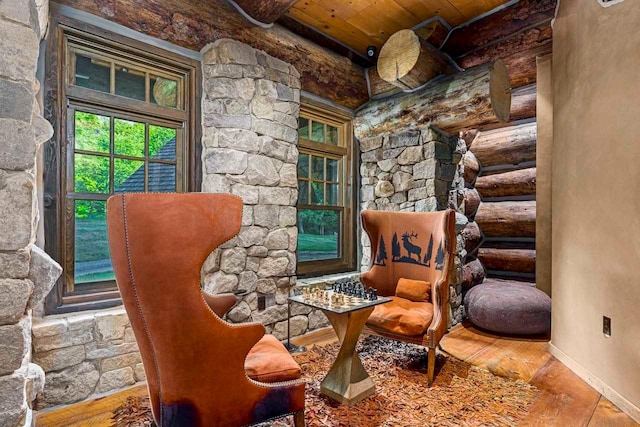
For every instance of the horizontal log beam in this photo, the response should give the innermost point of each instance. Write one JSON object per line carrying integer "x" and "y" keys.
{"x": 513, "y": 260}
{"x": 507, "y": 219}
{"x": 377, "y": 86}
{"x": 472, "y": 274}
{"x": 265, "y": 11}
{"x": 518, "y": 52}
{"x": 499, "y": 25}
{"x": 506, "y": 146}
{"x": 192, "y": 24}
{"x": 523, "y": 103}
{"x": 472, "y": 99}
{"x": 522, "y": 65}
{"x": 521, "y": 182}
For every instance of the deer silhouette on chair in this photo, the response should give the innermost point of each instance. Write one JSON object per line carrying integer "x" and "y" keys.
{"x": 410, "y": 247}
{"x": 420, "y": 317}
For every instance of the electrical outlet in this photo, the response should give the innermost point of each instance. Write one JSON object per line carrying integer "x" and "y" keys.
{"x": 262, "y": 302}
{"x": 606, "y": 326}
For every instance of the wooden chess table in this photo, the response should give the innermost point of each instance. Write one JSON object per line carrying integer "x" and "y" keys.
{"x": 347, "y": 381}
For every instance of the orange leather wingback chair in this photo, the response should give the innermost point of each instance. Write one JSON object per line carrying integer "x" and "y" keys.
{"x": 201, "y": 370}
{"x": 416, "y": 246}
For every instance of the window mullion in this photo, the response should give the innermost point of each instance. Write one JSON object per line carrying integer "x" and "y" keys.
{"x": 111, "y": 152}
{"x": 146, "y": 156}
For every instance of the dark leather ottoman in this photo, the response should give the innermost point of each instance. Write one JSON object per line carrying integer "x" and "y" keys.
{"x": 508, "y": 308}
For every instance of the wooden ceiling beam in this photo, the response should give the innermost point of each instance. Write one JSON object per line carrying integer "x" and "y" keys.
{"x": 468, "y": 100}
{"x": 498, "y": 25}
{"x": 264, "y": 11}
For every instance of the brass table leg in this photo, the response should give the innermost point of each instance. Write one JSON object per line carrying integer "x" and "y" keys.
{"x": 347, "y": 381}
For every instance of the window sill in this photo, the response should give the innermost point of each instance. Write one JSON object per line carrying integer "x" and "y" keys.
{"x": 85, "y": 306}
{"x": 327, "y": 278}
{"x": 51, "y": 320}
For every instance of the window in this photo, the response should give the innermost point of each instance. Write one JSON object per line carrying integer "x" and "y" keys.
{"x": 325, "y": 211}
{"x": 125, "y": 112}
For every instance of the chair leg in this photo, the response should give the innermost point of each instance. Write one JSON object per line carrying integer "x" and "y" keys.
{"x": 298, "y": 419}
{"x": 431, "y": 365}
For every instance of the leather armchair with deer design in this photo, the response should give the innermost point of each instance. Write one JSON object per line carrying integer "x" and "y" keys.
{"x": 201, "y": 370}
{"x": 415, "y": 249}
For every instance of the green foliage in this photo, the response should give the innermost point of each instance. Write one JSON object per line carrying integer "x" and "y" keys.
{"x": 92, "y": 171}
{"x": 317, "y": 243}
{"x": 316, "y": 221}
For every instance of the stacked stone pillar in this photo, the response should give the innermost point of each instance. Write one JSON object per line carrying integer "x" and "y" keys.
{"x": 26, "y": 272}
{"x": 250, "y": 109}
{"x": 416, "y": 170}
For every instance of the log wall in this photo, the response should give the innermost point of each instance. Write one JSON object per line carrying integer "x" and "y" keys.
{"x": 517, "y": 35}
{"x": 501, "y": 201}
{"x": 193, "y": 24}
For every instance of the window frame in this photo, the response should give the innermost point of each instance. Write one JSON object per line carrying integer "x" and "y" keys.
{"x": 344, "y": 150}
{"x": 62, "y": 99}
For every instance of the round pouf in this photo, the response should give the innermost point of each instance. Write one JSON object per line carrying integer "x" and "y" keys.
{"x": 509, "y": 308}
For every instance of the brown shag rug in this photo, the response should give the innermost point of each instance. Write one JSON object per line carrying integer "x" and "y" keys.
{"x": 461, "y": 395}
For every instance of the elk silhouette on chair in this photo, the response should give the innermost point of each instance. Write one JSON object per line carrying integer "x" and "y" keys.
{"x": 201, "y": 370}
{"x": 419, "y": 288}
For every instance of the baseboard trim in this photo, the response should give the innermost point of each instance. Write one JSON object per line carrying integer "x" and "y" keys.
{"x": 595, "y": 382}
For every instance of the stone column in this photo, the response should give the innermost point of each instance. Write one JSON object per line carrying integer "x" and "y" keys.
{"x": 250, "y": 109}
{"x": 415, "y": 170}
{"x": 26, "y": 272}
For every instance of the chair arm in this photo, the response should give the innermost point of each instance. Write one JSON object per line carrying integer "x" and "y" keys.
{"x": 220, "y": 303}
{"x": 439, "y": 324}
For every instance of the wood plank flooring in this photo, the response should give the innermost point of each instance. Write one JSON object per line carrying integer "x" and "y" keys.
{"x": 565, "y": 400}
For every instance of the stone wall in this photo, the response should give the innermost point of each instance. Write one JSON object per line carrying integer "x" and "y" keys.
{"x": 250, "y": 108}
{"x": 416, "y": 170}
{"x": 26, "y": 272}
{"x": 85, "y": 354}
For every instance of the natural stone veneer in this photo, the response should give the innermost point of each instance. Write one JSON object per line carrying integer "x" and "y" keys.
{"x": 85, "y": 354}
{"x": 27, "y": 274}
{"x": 250, "y": 108}
{"x": 416, "y": 170}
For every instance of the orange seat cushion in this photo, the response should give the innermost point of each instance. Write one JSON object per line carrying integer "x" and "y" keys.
{"x": 270, "y": 362}
{"x": 402, "y": 317}
{"x": 413, "y": 290}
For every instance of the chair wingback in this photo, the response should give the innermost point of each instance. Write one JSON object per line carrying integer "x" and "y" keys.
{"x": 193, "y": 360}
{"x": 410, "y": 245}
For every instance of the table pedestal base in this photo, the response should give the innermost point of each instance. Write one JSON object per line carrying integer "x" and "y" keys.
{"x": 347, "y": 381}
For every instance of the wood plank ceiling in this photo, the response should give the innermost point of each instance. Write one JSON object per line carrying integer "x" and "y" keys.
{"x": 362, "y": 23}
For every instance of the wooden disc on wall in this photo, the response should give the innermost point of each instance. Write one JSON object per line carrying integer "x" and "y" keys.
{"x": 407, "y": 61}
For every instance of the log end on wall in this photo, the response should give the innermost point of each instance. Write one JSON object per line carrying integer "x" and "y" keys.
{"x": 500, "y": 91}
{"x": 407, "y": 61}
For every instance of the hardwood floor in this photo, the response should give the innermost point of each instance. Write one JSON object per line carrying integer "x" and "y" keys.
{"x": 565, "y": 400}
